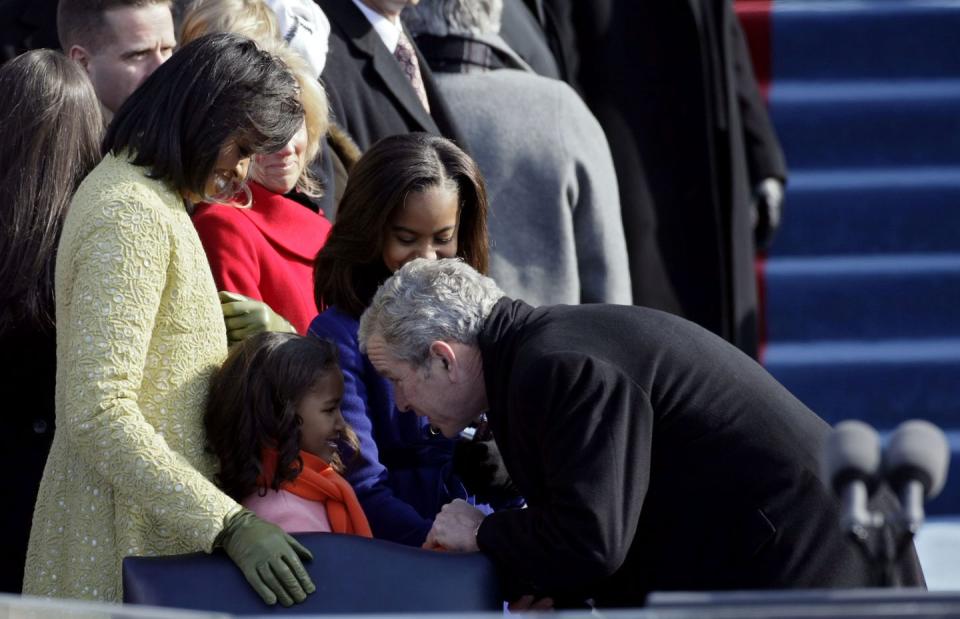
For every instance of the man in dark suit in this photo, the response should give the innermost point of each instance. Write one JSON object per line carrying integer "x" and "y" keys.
{"x": 701, "y": 171}
{"x": 653, "y": 455}
{"x": 371, "y": 95}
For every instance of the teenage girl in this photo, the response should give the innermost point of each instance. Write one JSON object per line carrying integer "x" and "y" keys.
{"x": 410, "y": 196}
{"x": 273, "y": 420}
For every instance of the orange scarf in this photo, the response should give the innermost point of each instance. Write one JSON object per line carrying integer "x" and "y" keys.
{"x": 319, "y": 482}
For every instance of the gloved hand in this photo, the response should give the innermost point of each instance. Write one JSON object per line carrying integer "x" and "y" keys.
{"x": 480, "y": 467}
{"x": 245, "y": 317}
{"x": 768, "y": 200}
{"x": 268, "y": 558}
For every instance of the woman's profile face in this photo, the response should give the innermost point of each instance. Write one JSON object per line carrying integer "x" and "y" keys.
{"x": 424, "y": 226}
{"x": 280, "y": 171}
{"x": 229, "y": 172}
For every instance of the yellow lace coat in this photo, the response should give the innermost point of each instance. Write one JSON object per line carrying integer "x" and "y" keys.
{"x": 139, "y": 333}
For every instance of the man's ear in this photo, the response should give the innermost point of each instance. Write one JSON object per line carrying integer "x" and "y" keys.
{"x": 81, "y": 55}
{"x": 443, "y": 352}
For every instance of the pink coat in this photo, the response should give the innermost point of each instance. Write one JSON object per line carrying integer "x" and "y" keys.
{"x": 290, "y": 512}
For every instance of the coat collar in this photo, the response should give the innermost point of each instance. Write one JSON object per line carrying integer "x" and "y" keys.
{"x": 284, "y": 222}
{"x": 358, "y": 31}
{"x": 498, "y": 341}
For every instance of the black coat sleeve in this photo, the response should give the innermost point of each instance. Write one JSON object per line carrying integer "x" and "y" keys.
{"x": 583, "y": 433}
{"x": 764, "y": 155}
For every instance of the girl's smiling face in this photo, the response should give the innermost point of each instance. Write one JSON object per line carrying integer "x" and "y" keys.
{"x": 424, "y": 226}
{"x": 321, "y": 422}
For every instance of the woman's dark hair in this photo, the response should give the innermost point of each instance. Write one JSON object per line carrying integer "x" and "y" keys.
{"x": 350, "y": 265}
{"x": 253, "y": 404}
{"x": 216, "y": 87}
{"x": 50, "y": 128}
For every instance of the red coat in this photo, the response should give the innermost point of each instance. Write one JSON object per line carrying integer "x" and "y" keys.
{"x": 266, "y": 251}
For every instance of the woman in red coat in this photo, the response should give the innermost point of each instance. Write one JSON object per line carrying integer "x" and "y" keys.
{"x": 265, "y": 249}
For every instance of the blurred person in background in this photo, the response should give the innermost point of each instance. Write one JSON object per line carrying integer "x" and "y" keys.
{"x": 118, "y": 42}
{"x": 51, "y": 127}
{"x": 555, "y": 229}
{"x": 378, "y": 82}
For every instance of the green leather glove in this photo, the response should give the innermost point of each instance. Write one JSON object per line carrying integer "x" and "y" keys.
{"x": 245, "y": 317}
{"x": 268, "y": 558}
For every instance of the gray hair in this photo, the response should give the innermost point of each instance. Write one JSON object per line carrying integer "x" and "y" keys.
{"x": 447, "y": 17}
{"x": 426, "y": 301}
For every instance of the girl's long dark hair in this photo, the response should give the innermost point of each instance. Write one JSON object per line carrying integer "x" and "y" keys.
{"x": 350, "y": 266}
{"x": 253, "y": 404}
{"x": 50, "y": 128}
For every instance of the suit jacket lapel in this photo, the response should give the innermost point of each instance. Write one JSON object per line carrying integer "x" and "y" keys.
{"x": 362, "y": 35}
{"x": 389, "y": 70}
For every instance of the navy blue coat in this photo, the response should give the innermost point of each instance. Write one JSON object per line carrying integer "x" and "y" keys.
{"x": 403, "y": 474}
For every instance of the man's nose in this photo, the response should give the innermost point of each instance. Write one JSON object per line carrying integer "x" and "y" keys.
{"x": 400, "y": 401}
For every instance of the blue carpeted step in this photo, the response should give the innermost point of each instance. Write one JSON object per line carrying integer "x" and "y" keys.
{"x": 895, "y": 210}
{"x": 850, "y": 39}
{"x": 830, "y": 125}
{"x": 870, "y": 297}
{"x": 882, "y": 382}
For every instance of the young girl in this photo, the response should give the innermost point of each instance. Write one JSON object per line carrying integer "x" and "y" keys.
{"x": 410, "y": 196}
{"x": 273, "y": 420}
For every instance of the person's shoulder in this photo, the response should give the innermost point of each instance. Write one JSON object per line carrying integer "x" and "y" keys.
{"x": 124, "y": 186}
{"x": 334, "y": 324}
{"x": 121, "y": 197}
{"x": 221, "y": 219}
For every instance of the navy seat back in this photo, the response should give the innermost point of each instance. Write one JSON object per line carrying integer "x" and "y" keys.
{"x": 352, "y": 574}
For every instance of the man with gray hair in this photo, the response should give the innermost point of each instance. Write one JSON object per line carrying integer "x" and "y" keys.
{"x": 652, "y": 454}
{"x": 556, "y": 235}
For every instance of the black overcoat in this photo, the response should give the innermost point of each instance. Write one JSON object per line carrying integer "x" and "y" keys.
{"x": 370, "y": 96}
{"x": 653, "y": 456}
{"x": 27, "y": 378}
{"x": 26, "y": 25}
{"x": 672, "y": 84}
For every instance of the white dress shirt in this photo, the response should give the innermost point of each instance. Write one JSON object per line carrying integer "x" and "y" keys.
{"x": 389, "y": 31}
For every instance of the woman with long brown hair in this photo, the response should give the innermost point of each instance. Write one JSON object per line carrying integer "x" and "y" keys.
{"x": 51, "y": 125}
{"x": 410, "y": 196}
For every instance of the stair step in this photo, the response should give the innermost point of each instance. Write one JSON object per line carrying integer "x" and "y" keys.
{"x": 863, "y": 297}
{"x": 882, "y": 382}
{"x": 871, "y": 210}
{"x": 848, "y": 39}
{"x": 868, "y": 123}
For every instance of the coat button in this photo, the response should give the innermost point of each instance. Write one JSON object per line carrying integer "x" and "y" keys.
{"x": 39, "y": 426}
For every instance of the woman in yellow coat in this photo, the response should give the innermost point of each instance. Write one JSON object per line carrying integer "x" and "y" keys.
{"x": 140, "y": 332}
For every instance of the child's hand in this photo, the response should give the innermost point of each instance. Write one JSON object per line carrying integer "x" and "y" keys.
{"x": 245, "y": 317}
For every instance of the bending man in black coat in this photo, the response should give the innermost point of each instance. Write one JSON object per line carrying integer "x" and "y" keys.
{"x": 653, "y": 455}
